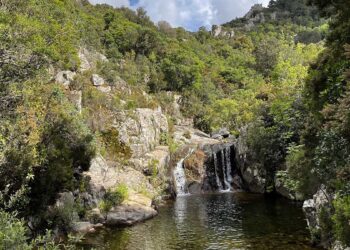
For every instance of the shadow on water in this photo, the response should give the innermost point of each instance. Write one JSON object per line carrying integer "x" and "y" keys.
{"x": 216, "y": 221}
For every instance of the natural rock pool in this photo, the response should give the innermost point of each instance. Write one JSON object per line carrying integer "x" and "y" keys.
{"x": 214, "y": 221}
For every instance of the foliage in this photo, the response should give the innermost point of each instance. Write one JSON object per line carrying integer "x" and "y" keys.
{"x": 297, "y": 116}
{"x": 341, "y": 219}
{"x": 114, "y": 197}
{"x": 13, "y": 235}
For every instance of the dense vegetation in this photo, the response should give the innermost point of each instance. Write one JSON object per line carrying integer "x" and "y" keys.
{"x": 260, "y": 81}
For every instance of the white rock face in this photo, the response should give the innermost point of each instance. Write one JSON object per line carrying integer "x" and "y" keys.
{"x": 219, "y": 31}
{"x": 65, "y": 78}
{"x": 88, "y": 59}
{"x": 104, "y": 176}
{"x": 142, "y": 130}
{"x": 97, "y": 80}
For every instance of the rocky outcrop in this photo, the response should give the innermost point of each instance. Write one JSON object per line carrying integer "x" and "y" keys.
{"x": 65, "y": 78}
{"x": 89, "y": 59}
{"x": 138, "y": 208}
{"x": 221, "y": 134}
{"x": 253, "y": 175}
{"x": 121, "y": 86}
{"x": 97, "y": 80}
{"x": 254, "y": 178}
{"x": 285, "y": 190}
{"x": 142, "y": 130}
{"x": 104, "y": 176}
{"x": 220, "y": 31}
{"x": 100, "y": 84}
{"x": 185, "y": 135}
{"x": 76, "y": 97}
{"x": 321, "y": 202}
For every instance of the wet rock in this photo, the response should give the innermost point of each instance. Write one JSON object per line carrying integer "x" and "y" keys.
{"x": 195, "y": 188}
{"x": 237, "y": 183}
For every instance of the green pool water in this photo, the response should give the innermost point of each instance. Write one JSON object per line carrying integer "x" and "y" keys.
{"x": 215, "y": 221}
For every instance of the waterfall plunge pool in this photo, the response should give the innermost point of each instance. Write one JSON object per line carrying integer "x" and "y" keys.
{"x": 213, "y": 221}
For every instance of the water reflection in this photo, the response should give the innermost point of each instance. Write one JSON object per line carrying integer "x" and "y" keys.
{"x": 224, "y": 221}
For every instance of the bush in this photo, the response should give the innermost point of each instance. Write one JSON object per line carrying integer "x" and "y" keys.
{"x": 341, "y": 219}
{"x": 114, "y": 197}
{"x": 13, "y": 235}
{"x": 12, "y": 232}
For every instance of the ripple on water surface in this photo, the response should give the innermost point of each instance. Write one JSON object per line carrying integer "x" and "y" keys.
{"x": 217, "y": 221}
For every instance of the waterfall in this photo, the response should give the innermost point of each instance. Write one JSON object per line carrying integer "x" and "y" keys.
{"x": 216, "y": 169}
{"x": 222, "y": 171}
{"x": 180, "y": 178}
{"x": 228, "y": 165}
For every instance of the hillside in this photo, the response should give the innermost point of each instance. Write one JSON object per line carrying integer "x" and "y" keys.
{"x": 98, "y": 104}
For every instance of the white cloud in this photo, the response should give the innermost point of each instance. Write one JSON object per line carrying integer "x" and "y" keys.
{"x": 190, "y": 14}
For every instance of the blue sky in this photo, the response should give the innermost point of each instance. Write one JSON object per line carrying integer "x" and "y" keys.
{"x": 190, "y": 14}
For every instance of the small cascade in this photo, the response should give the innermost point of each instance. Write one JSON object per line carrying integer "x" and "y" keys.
{"x": 228, "y": 165}
{"x": 225, "y": 167}
{"x": 180, "y": 178}
{"x": 216, "y": 169}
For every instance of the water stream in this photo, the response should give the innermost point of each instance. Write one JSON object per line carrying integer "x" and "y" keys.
{"x": 180, "y": 178}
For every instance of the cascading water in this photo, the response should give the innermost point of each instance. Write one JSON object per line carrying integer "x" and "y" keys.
{"x": 228, "y": 165}
{"x": 227, "y": 186}
{"x": 216, "y": 168}
{"x": 180, "y": 178}
{"x": 220, "y": 169}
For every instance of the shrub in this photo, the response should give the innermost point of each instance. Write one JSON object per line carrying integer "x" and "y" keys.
{"x": 341, "y": 219}
{"x": 12, "y": 232}
{"x": 114, "y": 197}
